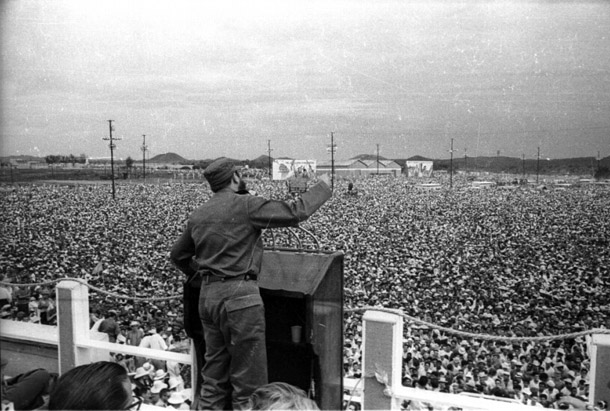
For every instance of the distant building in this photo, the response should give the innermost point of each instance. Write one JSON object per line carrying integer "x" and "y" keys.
{"x": 25, "y": 164}
{"x": 357, "y": 168}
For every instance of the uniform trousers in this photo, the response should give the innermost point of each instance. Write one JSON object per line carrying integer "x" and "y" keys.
{"x": 233, "y": 319}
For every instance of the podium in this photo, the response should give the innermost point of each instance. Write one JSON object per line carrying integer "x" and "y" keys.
{"x": 305, "y": 288}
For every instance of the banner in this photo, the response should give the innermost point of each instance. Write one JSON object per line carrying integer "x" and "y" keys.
{"x": 285, "y": 169}
{"x": 419, "y": 169}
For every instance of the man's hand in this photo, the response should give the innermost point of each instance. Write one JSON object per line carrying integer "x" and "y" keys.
{"x": 326, "y": 178}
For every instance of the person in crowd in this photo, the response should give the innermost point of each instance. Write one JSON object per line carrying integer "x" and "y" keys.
{"x": 110, "y": 326}
{"x": 6, "y": 294}
{"x": 25, "y": 391}
{"x": 164, "y": 395}
{"x": 95, "y": 317}
{"x": 155, "y": 391}
{"x": 176, "y": 400}
{"x": 101, "y": 385}
{"x": 46, "y": 307}
{"x": 153, "y": 340}
{"x": 22, "y": 297}
{"x": 221, "y": 245}
{"x": 280, "y": 396}
{"x": 134, "y": 337}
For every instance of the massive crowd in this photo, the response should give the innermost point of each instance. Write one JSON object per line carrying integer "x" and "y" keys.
{"x": 518, "y": 262}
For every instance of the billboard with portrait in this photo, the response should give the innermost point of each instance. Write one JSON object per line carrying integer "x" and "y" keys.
{"x": 419, "y": 169}
{"x": 284, "y": 169}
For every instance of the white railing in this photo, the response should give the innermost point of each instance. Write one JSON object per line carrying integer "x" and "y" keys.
{"x": 382, "y": 336}
{"x": 381, "y": 386}
{"x": 76, "y": 344}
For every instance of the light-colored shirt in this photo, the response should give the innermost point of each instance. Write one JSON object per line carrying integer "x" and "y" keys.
{"x": 154, "y": 341}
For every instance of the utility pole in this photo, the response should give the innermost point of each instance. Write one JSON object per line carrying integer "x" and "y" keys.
{"x": 538, "y": 166}
{"x": 377, "y": 160}
{"x": 523, "y": 163}
{"x": 269, "y": 150}
{"x": 112, "y": 147}
{"x": 144, "y": 148}
{"x": 451, "y": 166}
{"x": 465, "y": 161}
{"x": 598, "y": 161}
{"x": 331, "y": 149}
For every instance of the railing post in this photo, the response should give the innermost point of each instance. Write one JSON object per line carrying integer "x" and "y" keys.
{"x": 600, "y": 369}
{"x": 194, "y": 371}
{"x": 72, "y": 321}
{"x": 382, "y": 358}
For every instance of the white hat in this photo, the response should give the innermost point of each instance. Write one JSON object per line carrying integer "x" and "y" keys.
{"x": 158, "y": 386}
{"x": 176, "y": 398}
{"x": 186, "y": 393}
{"x": 173, "y": 383}
{"x": 159, "y": 374}
{"x": 140, "y": 372}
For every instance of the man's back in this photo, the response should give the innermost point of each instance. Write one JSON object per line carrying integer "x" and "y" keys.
{"x": 223, "y": 235}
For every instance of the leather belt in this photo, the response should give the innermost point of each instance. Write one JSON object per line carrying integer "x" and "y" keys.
{"x": 211, "y": 278}
{"x": 208, "y": 278}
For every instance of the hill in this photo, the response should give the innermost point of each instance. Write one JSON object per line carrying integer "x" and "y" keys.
{"x": 168, "y": 158}
{"x": 578, "y": 165}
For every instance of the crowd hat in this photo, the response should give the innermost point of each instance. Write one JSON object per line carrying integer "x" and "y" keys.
{"x": 187, "y": 393}
{"x": 158, "y": 386}
{"x": 159, "y": 374}
{"x": 140, "y": 372}
{"x": 173, "y": 383}
{"x": 176, "y": 398}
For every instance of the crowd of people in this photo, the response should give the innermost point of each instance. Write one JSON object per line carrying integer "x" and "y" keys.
{"x": 520, "y": 262}
{"x": 106, "y": 385}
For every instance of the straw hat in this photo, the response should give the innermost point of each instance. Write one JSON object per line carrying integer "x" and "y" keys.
{"x": 140, "y": 372}
{"x": 158, "y": 386}
{"x": 159, "y": 374}
{"x": 176, "y": 398}
{"x": 173, "y": 383}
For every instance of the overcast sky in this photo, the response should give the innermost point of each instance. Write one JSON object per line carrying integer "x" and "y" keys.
{"x": 209, "y": 79}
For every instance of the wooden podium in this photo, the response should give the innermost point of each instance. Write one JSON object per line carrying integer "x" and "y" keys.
{"x": 305, "y": 288}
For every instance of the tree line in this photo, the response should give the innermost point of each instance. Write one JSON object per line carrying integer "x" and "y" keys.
{"x": 63, "y": 159}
